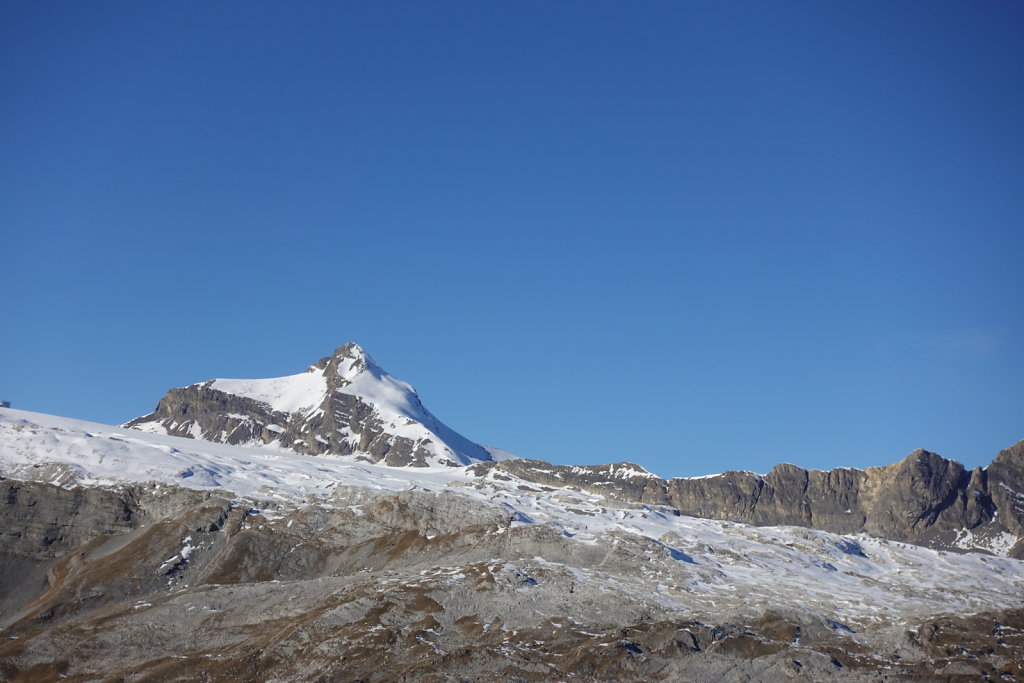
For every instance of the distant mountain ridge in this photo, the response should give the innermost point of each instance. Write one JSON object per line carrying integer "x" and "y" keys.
{"x": 923, "y": 499}
{"x": 344, "y": 404}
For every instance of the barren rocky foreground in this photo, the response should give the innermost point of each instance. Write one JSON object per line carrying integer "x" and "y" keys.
{"x": 151, "y": 584}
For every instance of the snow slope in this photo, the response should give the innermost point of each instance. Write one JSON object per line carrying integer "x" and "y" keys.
{"x": 693, "y": 563}
{"x": 300, "y": 393}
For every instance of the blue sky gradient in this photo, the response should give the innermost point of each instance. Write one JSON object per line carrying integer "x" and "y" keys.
{"x": 697, "y": 236}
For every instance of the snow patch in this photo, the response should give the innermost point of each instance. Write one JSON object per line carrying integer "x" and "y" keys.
{"x": 300, "y": 393}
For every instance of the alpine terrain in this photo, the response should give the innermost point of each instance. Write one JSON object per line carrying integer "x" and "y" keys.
{"x": 326, "y": 526}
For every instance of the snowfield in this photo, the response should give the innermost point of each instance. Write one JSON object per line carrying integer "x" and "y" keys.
{"x": 689, "y": 564}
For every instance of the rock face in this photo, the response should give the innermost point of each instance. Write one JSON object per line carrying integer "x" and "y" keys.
{"x": 344, "y": 404}
{"x": 923, "y": 499}
{"x": 39, "y": 524}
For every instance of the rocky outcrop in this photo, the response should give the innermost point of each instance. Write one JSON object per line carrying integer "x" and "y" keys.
{"x": 923, "y": 499}
{"x": 345, "y": 404}
{"x": 1003, "y": 482}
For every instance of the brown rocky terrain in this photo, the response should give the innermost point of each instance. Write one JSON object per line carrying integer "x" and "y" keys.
{"x": 413, "y": 587}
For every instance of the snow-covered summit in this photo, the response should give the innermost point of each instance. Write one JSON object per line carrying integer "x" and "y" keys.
{"x": 359, "y": 375}
{"x": 345, "y": 404}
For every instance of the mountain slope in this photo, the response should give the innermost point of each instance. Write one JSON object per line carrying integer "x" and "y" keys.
{"x": 176, "y": 559}
{"x": 345, "y": 404}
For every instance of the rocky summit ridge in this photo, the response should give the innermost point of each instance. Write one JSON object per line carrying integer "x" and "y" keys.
{"x": 344, "y": 404}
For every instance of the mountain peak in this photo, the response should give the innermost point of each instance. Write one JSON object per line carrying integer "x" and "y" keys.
{"x": 344, "y": 404}
{"x": 351, "y": 355}
{"x": 352, "y": 351}
{"x": 351, "y": 360}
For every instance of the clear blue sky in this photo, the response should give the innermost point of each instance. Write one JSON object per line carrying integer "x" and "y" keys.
{"x": 694, "y": 235}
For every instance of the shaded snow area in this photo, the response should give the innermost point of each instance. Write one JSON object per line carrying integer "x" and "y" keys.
{"x": 998, "y": 544}
{"x": 693, "y": 563}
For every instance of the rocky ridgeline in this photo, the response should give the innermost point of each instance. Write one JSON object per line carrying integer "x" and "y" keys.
{"x": 923, "y": 499}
